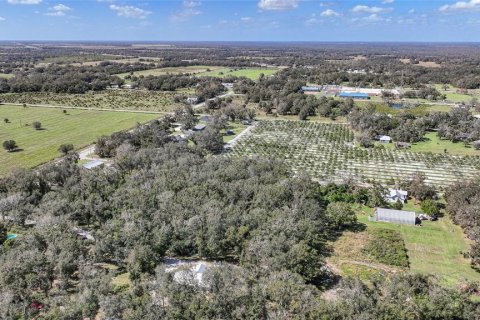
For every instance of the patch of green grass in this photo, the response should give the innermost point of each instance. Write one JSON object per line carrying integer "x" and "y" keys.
{"x": 79, "y": 127}
{"x": 237, "y": 127}
{"x": 6, "y": 75}
{"x": 122, "y": 281}
{"x": 436, "y": 247}
{"x": 251, "y": 73}
{"x": 434, "y": 144}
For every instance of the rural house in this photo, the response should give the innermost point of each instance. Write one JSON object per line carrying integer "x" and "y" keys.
{"x": 394, "y": 195}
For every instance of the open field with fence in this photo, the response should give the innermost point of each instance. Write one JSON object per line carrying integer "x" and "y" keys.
{"x": 78, "y": 127}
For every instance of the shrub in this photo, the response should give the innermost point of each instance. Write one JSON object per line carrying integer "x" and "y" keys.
{"x": 65, "y": 148}
{"x": 388, "y": 247}
{"x": 10, "y": 145}
{"x": 37, "y": 125}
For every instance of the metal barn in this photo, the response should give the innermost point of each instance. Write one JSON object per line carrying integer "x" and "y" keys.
{"x": 395, "y": 216}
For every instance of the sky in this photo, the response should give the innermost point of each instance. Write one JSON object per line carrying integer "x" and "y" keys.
{"x": 241, "y": 20}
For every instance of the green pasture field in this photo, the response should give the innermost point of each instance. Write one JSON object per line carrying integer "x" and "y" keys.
{"x": 79, "y": 127}
{"x": 251, "y": 73}
{"x": 108, "y": 99}
{"x": 434, "y": 144}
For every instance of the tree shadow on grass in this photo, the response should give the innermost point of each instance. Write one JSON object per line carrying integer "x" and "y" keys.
{"x": 16, "y": 150}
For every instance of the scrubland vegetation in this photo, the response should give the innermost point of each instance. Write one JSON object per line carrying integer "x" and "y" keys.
{"x": 280, "y": 217}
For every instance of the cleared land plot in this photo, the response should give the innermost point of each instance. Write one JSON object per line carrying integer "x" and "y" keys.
{"x": 327, "y": 153}
{"x": 434, "y": 248}
{"x": 109, "y": 99}
{"x": 172, "y": 70}
{"x": 79, "y": 127}
{"x": 251, "y": 73}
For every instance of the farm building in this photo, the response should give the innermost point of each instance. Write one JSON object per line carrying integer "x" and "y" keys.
{"x": 354, "y": 95}
{"x": 372, "y": 92}
{"x": 395, "y": 216}
{"x": 310, "y": 89}
{"x": 394, "y": 195}
{"x": 93, "y": 164}
{"x": 385, "y": 139}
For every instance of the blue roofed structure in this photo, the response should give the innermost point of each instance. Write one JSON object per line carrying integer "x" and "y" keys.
{"x": 354, "y": 95}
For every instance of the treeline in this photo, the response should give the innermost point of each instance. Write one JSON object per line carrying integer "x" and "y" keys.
{"x": 457, "y": 125}
{"x": 284, "y": 95}
{"x": 60, "y": 80}
{"x": 205, "y": 87}
{"x": 463, "y": 205}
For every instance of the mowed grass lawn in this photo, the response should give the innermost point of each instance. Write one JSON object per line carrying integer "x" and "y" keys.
{"x": 251, "y": 73}
{"x": 79, "y": 127}
{"x": 6, "y": 75}
{"x": 434, "y": 248}
{"x": 434, "y": 144}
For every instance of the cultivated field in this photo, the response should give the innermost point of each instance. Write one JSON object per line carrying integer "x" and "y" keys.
{"x": 111, "y": 99}
{"x": 79, "y": 127}
{"x": 327, "y": 153}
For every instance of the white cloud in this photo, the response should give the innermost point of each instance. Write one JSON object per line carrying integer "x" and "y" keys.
{"x": 61, "y": 7}
{"x": 58, "y": 10}
{"x": 2, "y": 19}
{"x": 373, "y": 10}
{"x": 24, "y": 1}
{"x": 189, "y": 9}
{"x": 277, "y": 4}
{"x": 411, "y": 11}
{"x": 373, "y": 18}
{"x": 246, "y": 19}
{"x": 461, "y": 5}
{"x": 129, "y": 11}
{"x": 330, "y": 13}
{"x": 388, "y": 1}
